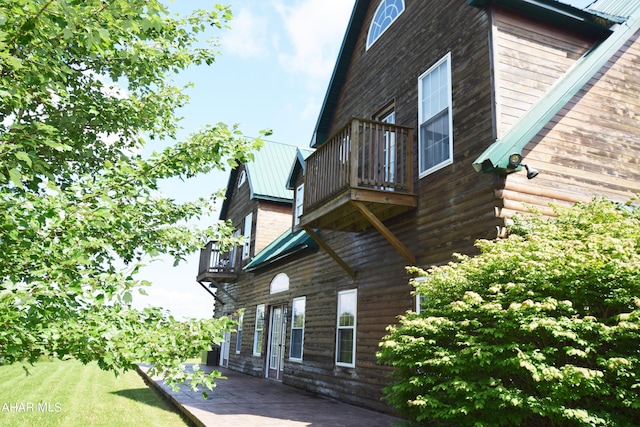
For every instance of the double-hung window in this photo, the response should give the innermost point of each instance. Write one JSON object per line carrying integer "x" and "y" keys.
{"x": 239, "y": 334}
{"x": 435, "y": 118}
{"x": 297, "y": 328}
{"x": 299, "y": 203}
{"x": 258, "y": 333}
{"x": 246, "y": 249}
{"x": 346, "y": 328}
{"x": 420, "y": 303}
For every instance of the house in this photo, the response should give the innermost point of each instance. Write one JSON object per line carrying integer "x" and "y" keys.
{"x": 258, "y": 205}
{"x": 442, "y": 120}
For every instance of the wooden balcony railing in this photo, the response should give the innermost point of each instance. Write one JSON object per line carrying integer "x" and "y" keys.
{"x": 364, "y": 154}
{"x": 217, "y": 266}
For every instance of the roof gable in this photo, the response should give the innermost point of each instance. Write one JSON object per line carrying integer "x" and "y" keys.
{"x": 298, "y": 165}
{"x": 597, "y": 17}
{"x": 268, "y": 172}
{"x": 267, "y": 175}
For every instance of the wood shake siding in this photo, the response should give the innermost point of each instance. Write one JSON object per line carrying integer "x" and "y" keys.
{"x": 530, "y": 58}
{"x": 591, "y": 148}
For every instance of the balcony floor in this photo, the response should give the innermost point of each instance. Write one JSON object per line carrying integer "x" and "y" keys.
{"x": 341, "y": 215}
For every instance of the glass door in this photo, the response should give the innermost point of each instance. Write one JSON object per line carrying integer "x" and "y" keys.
{"x": 277, "y": 332}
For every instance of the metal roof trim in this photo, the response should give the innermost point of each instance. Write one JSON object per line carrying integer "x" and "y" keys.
{"x": 298, "y": 164}
{"x": 284, "y": 246}
{"x": 339, "y": 71}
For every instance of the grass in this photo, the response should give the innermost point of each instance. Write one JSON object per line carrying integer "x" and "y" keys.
{"x": 67, "y": 393}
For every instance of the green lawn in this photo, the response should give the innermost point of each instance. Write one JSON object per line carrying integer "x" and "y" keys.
{"x": 69, "y": 394}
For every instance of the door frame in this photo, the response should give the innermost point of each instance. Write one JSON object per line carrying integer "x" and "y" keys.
{"x": 275, "y": 354}
{"x": 224, "y": 350}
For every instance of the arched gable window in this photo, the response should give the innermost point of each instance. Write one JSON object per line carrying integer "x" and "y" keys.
{"x": 387, "y": 12}
{"x": 279, "y": 283}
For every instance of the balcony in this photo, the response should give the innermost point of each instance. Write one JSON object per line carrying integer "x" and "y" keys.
{"x": 217, "y": 266}
{"x": 365, "y": 169}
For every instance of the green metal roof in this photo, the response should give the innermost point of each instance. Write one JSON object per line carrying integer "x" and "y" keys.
{"x": 268, "y": 172}
{"x": 495, "y": 158}
{"x": 284, "y": 246}
{"x": 267, "y": 175}
{"x": 615, "y": 10}
{"x": 555, "y": 12}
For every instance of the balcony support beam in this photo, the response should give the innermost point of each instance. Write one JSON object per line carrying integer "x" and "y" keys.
{"x": 206, "y": 288}
{"x": 224, "y": 291}
{"x": 386, "y": 233}
{"x": 324, "y": 245}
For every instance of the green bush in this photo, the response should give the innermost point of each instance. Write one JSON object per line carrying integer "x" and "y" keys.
{"x": 541, "y": 329}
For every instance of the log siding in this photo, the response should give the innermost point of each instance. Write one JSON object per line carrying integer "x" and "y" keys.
{"x": 502, "y": 62}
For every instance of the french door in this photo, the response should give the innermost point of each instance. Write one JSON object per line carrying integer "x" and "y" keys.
{"x": 277, "y": 334}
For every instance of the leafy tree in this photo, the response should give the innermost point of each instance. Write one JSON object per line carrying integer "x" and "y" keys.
{"x": 541, "y": 329}
{"x": 84, "y": 85}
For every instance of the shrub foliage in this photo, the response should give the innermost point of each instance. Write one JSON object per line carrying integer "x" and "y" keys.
{"x": 542, "y": 328}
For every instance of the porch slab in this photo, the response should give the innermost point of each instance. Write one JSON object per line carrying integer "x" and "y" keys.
{"x": 247, "y": 401}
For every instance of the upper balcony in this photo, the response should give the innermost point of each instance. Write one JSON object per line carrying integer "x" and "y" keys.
{"x": 217, "y": 266}
{"x": 366, "y": 161}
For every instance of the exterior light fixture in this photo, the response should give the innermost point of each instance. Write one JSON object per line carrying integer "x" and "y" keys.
{"x": 514, "y": 161}
{"x": 531, "y": 172}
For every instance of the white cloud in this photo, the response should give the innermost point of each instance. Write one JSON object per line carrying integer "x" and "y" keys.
{"x": 248, "y": 35}
{"x": 175, "y": 289}
{"x": 315, "y": 29}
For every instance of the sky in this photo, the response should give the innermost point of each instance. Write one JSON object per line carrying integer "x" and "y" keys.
{"x": 272, "y": 72}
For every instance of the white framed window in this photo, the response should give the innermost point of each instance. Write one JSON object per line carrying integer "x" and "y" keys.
{"x": 279, "y": 283}
{"x": 435, "y": 138}
{"x": 346, "y": 328}
{"x": 258, "y": 333}
{"x": 387, "y": 12}
{"x": 299, "y": 203}
{"x": 246, "y": 249}
{"x": 297, "y": 328}
{"x": 234, "y": 253}
{"x": 242, "y": 179}
{"x": 420, "y": 303}
{"x": 239, "y": 334}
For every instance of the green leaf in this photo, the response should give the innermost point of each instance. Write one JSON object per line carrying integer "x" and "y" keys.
{"x": 21, "y": 155}
{"x": 16, "y": 177}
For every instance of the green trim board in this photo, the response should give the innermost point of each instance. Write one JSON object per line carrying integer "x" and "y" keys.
{"x": 338, "y": 77}
{"x": 299, "y": 165}
{"x": 284, "y": 246}
{"x": 555, "y": 12}
{"x": 496, "y": 157}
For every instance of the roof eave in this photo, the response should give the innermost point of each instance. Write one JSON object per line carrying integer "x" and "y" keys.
{"x": 555, "y": 12}
{"x": 321, "y": 129}
{"x": 224, "y": 210}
